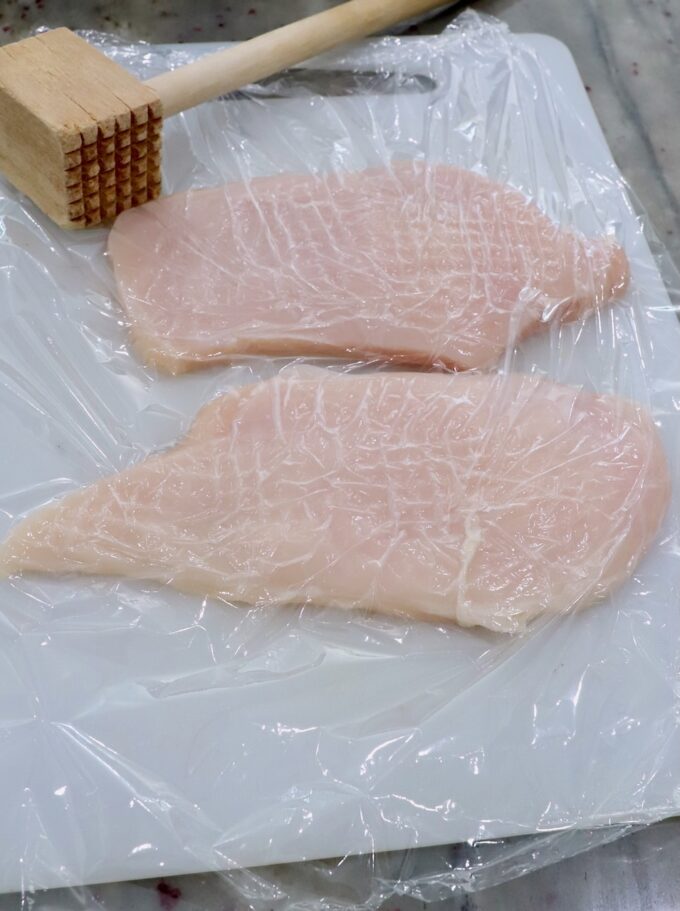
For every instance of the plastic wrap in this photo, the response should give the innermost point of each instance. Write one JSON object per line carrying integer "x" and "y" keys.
{"x": 148, "y": 731}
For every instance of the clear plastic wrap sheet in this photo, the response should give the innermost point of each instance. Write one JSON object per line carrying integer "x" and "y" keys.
{"x": 149, "y": 732}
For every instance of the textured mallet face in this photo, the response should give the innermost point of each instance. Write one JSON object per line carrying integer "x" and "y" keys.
{"x": 78, "y": 134}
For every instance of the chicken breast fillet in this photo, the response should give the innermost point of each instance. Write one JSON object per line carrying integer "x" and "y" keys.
{"x": 418, "y": 264}
{"x": 485, "y": 500}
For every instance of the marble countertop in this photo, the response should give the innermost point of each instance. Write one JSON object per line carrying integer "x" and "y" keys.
{"x": 637, "y": 873}
{"x": 628, "y": 52}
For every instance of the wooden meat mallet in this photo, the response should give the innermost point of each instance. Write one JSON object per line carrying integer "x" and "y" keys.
{"x": 81, "y": 136}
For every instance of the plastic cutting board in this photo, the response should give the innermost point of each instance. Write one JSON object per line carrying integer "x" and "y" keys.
{"x": 123, "y": 755}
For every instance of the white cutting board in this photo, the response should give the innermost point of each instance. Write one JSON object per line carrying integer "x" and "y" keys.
{"x": 142, "y": 731}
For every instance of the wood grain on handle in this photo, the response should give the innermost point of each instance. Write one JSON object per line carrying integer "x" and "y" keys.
{"x": 274, "y": 51}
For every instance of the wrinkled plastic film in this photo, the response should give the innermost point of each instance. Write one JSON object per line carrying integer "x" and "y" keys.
{"x": 154, "y": 729}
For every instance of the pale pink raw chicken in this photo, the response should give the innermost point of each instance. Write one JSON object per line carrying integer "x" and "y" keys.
{"x": 422, "y": 265}
{"x": 485, "y": 500}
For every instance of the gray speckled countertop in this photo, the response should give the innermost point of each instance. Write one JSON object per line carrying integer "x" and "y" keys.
{"x": 628, "y": 52}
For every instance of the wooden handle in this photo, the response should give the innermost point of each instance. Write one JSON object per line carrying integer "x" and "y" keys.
{"x": 274, "y": 51}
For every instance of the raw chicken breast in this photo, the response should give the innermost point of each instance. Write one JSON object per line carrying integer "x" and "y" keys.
{"x": 435, "y": 265}
{"x": 487, "y": 500}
